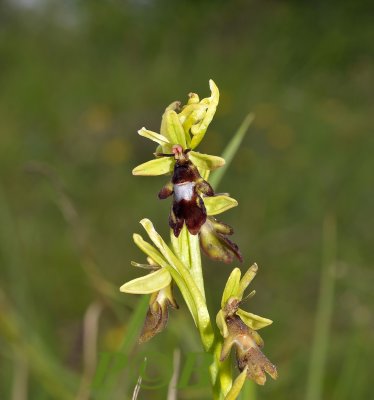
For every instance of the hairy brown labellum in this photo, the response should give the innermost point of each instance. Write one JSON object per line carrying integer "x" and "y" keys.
{"x": 248, "y": 344}
{"x": 186, "y": 186}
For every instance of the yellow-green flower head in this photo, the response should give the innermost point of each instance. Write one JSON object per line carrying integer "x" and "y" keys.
{"x": 238, "y": 328}
{"x": 182, "y": 128}
{"x": 194, "y": 200}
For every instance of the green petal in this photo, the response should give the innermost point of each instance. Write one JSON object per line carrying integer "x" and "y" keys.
{"x": 237, "y": 385}
{"x": 175, "y": 105}
{"x": 218, "y": 204}
{"x": 247, "y": 279}
{"x": 174, "y": 129}
{"x": 221, "y": 323}
{"x": 191, "y": 115}
{"x": 232, "y": 286}
{"x": 206, "y": 161}
{"x": 150, "y": 283}
{"x": 198, "y": 130}
{"x": 148, "y": 249}
{"x": 252, "y": 320}
{"x": 158, "y": 166}
{"x": 156, "y": 137}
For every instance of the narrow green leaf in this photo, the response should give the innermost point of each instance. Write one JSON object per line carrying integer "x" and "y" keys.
{"x": 324, "y": 312}
{"x": 237, "y": 386}
{"x": 231, "y": 149}
{"x": 134, "y": 325}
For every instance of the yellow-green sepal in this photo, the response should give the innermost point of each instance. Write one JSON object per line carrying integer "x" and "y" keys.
{"x": 206, "y": 161}
{"x": 175, "y": 129}
{"x": 158, "y": 166}
{"x": 218, "y": 204}
{"x": 150, "y": 283}
{"x": 254, "y": 321}
{"x": 232, "y": 286}
{"x": 198, "y": 130}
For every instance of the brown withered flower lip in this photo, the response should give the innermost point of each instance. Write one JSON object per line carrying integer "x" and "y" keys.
{"x": 157, "y": 314}
{"x": 248, "y": 354}
{"x": 215, "y": 243}
{"x": 186, "y": 186}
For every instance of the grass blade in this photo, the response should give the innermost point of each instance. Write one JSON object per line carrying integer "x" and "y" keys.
{"x": 324, "y": 312}
{"x": 231, "y": 149}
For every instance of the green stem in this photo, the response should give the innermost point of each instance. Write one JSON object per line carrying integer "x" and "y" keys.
{"x": 187, "y": 248}
{"x": 195, "y": 257}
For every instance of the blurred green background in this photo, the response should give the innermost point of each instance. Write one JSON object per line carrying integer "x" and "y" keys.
{"x": 78, "y": 79}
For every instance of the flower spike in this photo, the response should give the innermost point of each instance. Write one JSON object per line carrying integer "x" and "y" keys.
{"x": 193, "y": 226}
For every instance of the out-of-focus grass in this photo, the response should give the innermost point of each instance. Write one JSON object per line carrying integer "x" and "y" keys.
{"x": 232, "y": 149}
{"x": 77, "y": 80}
{"x": 324, "y": 312}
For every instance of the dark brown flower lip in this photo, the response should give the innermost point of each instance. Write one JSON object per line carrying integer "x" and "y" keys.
{"x": 248, "y": 353}
{"x": 188, "y": 206}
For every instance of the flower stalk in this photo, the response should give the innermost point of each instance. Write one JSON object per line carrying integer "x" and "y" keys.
{"x": 193, "y": 225}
